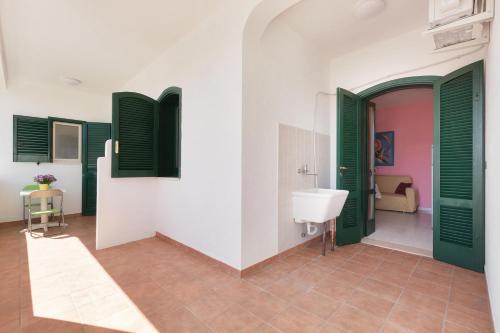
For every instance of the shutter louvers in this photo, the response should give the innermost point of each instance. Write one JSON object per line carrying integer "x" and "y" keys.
{"x": 350, "y": 223}
{"x": 134, "y": 122}
{"x": 31, "y": 139}
{"x": 459, "y": 168}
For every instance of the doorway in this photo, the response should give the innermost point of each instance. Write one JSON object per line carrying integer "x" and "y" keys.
{"x": 399, "y": 139}
{"x": 458, "y": 163}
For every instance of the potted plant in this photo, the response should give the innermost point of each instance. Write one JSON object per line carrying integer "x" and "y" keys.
{"x": 44, "y": 181}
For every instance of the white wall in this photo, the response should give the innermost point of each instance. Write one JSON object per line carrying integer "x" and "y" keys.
{"x": 126, "y": 207}
{"x": 492, "y": 122}
{"x": 203, "y": 208}
{"x": 388, "y": 60}
{"x": 296, "y": 148}
{"x": 42, "y": 101}
{"x": 283, "y": 73}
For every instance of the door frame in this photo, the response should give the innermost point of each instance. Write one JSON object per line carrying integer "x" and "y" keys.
{"x": 367, "y": 95}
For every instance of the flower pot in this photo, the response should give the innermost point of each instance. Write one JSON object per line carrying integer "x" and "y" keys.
{"x": 43, "y": 186}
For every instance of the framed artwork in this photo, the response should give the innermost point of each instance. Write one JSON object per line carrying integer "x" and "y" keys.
{"x": 384, "y": 148}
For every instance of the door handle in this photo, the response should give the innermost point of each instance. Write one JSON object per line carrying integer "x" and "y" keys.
{"x": 342, "y": 169}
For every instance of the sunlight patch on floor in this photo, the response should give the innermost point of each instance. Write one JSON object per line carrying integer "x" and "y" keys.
{"x": 68, "y": 284}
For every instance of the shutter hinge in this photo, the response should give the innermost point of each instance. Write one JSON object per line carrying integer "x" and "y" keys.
{"x": 117, "y": 147}
{"x": 485, "y": 165}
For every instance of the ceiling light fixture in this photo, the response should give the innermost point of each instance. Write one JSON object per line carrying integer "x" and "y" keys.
{"x": 71, "y": 81}
{"x": 365, "y": 9}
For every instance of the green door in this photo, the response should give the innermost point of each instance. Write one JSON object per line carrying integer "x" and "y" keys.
{"x": 459, "y": 168}
{"x": 94, "y": 138}
{"x": 350, "y": 224}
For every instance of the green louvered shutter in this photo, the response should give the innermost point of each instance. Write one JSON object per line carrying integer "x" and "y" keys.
{"x": 350, "y": 223}
{"x": 459, "y": 168}
{"x": 31, "y": 139}
{"x": 95, "y": 136}
{"x": 169, "y": 132}
{"x": 134, "y": 134}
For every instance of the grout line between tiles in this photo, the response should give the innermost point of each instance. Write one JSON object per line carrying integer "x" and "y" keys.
{"x": 386, "y": 320}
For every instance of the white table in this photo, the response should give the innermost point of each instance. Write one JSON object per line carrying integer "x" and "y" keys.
{"x": 44, "y": 217}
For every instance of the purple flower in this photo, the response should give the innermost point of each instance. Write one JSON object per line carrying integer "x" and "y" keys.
{"x": 44, "y": 179}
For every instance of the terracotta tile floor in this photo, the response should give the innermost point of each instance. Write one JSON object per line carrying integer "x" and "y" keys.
{"x": 63, "y": 284}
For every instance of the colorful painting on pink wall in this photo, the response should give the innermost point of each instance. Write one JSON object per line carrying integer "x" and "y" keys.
{"x": 384, "y": 148}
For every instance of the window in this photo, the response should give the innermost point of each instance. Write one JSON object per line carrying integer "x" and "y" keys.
{"x": 66, "y": 141}
{"x": 30, "y": 139}
{"x": 146, "y": 134}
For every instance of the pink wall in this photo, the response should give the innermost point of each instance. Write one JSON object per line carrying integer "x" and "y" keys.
{"x": 409, "y": 113}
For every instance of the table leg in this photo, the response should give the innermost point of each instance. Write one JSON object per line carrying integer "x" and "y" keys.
{"x": 45, "y": 217}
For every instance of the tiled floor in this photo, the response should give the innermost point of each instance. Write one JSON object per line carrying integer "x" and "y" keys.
{"x": 63, "y": 285}
{"x": 403, "y": 230}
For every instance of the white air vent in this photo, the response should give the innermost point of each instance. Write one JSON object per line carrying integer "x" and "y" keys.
{"x": 459, "y": 23}
{"x": 477, "y": 33}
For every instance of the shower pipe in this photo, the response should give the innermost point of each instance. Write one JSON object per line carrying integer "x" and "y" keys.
{"x": 331, "y": 94}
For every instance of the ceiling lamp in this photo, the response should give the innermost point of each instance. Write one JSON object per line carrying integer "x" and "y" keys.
{"x": 365, "y": 9}
{"x": 71, "y": 81}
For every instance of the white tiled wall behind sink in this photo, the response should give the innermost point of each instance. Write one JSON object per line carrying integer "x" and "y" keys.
{"x": 295, "y": 150}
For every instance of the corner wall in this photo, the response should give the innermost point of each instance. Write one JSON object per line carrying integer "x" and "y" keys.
{"x": 31, "y": 99}
{"x": 202, "y": 209}
{"x": 492, "y": 123}
{"x": 283, "y": 73}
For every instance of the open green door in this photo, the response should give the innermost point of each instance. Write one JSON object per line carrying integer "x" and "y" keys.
{"x": 459, "y": 168}
{"x": 350, "y": 224}
{"x": 94, "y": 138}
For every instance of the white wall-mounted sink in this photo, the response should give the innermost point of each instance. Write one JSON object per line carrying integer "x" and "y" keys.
{"x": 317, "y": 205}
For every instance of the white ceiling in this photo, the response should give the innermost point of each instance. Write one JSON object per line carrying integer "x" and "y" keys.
{"x": 101, "y": 42}
{"x": 402, "y": 98}
{"x": 332, "y": 26}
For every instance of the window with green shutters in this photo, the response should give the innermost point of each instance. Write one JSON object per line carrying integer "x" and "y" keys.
{"x": 31, "y": 139}
{"x": 146, "y": 134}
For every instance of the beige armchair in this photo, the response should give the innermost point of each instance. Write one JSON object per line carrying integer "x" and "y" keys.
{"x": 387, "y": 185}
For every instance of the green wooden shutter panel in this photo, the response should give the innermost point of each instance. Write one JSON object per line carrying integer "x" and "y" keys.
{"x": 459, "y": 168}
{"x": 169, "y": 132}
{"x": 351, "y": 156}
{"x": 136, "y": 135}
{"x": 146, "y": 133}
{"x": 456, "y": 128}
{"x": 349, "y": 224}
{"x": 97, "y": 135}
{"x": 135, "y": 128}
{"x": 31, "y": 139}
{"x": 456, "y": 225}
{"x": 349, "y": 216}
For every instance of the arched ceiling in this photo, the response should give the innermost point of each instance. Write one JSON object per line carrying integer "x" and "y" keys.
{"x": 333, "y": 28}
